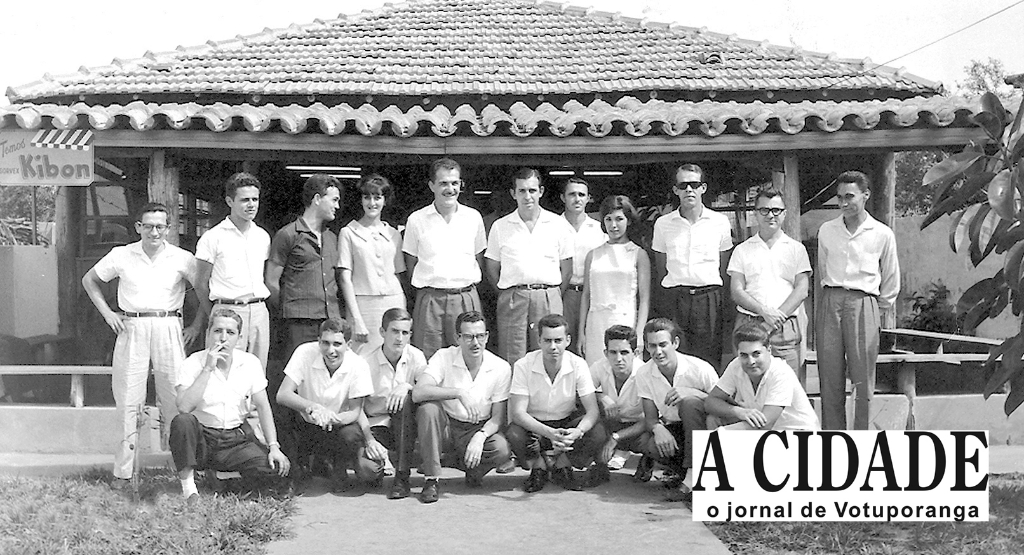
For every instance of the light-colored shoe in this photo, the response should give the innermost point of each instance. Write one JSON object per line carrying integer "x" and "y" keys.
{"x": 618, "y": 460}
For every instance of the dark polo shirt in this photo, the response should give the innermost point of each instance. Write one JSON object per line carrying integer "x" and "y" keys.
{"x": 308, "y": 287}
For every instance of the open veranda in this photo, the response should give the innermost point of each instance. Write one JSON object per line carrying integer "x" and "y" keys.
{"x": 81, "y": 514}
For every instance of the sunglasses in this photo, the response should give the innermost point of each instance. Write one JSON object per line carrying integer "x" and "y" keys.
{"x": 684, "y": 185}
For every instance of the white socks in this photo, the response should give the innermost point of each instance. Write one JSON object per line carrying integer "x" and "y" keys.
{"x": 188, "y": 486}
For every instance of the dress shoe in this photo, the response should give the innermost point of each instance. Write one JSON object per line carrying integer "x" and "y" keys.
{"x": 597, "y": 475}
{"x": 506, "y": 467}
{"x": 538, "y": 478}
{"x": 214, "y": 482}
{"x": 566, "y": 478}
{"x": 192, "y": 500}
{"x": 340, "y": 482}
{"x": 399, "y": 488}
{"x": 644, "y": 469}
{"x": 474, "y": 479}
{"x": 429, "y": 493}
{"x": 681, "y": 493}
{"x": 120, "y": 484}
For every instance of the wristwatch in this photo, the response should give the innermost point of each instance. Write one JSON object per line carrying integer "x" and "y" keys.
{"x": 615, "y": 437}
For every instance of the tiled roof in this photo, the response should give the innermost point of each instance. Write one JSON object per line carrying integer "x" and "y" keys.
{"x": 456, "y": 47}
{"x": 628, "y": 116}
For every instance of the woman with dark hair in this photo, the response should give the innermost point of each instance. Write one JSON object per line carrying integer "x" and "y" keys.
{"x": 370, "y": 259}
{"x": 616, "y": 280}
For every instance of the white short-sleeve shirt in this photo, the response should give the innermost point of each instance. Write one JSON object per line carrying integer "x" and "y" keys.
{"x": 627, "y": 399}
{"x": 309, "y": 372}
{"x": 148, "y": 284}
{"x": 445, "y": 251}
{"x": 769, "y": 273}
{"x": 491, "y": 385}
{"x": 692, "y": 251}
{"x": 238, "y": 260}
{"x": 226, "y": 400}
{"x": 587, "y": 238}
{"x": 693, "y": 377}
{"x": 779, "y": 387}
{"x": 551, "y": 399}
{"x": 386, "y": 377}
{"x": 527, "y": 257}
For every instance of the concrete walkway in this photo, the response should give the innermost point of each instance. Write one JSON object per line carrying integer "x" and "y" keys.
{"x": 620, "y": 517}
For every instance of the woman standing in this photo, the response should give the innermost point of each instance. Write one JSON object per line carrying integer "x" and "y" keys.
{"x": 370, "y": 259}
{"x": 616, "y": 280}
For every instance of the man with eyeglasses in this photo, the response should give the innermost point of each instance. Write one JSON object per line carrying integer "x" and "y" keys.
{"x": 770, "y": 273}
{"x": 529, "y": 260}
{"x": 465, "y": 390}
{"x": 444, "y": 244}
{"x": 150, "y": 292}
{"x": 690, "y": 253}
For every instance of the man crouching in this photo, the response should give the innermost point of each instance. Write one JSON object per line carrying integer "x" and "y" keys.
{"x": 215, "y": 388}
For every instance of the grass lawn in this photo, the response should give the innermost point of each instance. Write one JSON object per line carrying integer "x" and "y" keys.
{"x": 1003, "y": 534}
{"x": 81, "y": 514}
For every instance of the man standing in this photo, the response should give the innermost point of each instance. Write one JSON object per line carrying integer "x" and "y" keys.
{"x": 215, "y": 386}
{"x": 395, "y": 367}
{"x": 621, "y": 408}
{"x": 300, "y": 272}
{"x": 326, "y": 385}
{"x": 672, "y": 387}
{"x": 770, "y": 274}
{"x": 548, "y": 432}
{"x": 150, "y": 292}
{"x": 860, "y": 275}
{"x": 444, "y": 244}
{"x": 231, "y": 259}
{"x": 587, "y": 235}
{"x": 689, "y": 260}
{"x": 529, "y": 259}
{"x": 464, "y": 389}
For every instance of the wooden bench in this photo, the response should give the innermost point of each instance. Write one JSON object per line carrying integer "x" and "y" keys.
{"x": 76, "y": 372}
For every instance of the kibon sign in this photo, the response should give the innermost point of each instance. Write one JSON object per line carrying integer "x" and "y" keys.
{"x": 46, "y": 157}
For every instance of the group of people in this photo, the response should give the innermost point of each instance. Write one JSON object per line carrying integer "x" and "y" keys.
{"x": 566, "y": 386}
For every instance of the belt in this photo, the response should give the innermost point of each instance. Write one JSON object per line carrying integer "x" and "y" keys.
{"x": 575, "y": 287}
{"x": 456, "y": 291}
{"x": 155, "y": 314}
{"x": 848, "y": 289}
{"x": 700, "y": 290}
{"x": 533, "y": 286}
{"x": 238, "y": 303}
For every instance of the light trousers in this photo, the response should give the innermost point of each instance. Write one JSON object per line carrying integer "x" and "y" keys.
{"x": 848, "y": 326}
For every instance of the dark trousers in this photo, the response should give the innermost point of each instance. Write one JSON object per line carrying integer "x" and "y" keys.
{"x": 694, "y": 417}
{"x": 236, "y": 450}
{"x": 399, "y": 437}
{"x": 528, "y": 446}
{"x": 699, "y": 317}
{"x": 344, "y": 445}
{"x": 433, "y": 423}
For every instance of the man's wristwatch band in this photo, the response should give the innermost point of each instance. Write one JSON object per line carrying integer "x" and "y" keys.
{"x": 615, "y": 437}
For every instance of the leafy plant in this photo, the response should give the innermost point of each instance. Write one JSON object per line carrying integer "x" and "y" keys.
{"x": 985, "y": 225}
{"x": 932, "y": 310}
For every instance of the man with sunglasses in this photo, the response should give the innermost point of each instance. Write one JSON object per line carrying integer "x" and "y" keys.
{"x": 690, "y": 246}
{"x": 150, "y": 293}
{"x": 465, "y": 390}
{"x": 770, "y": 274}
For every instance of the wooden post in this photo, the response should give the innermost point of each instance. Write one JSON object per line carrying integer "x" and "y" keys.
{"x": 791, "y": 197}
{"x": 163, "y": 188}
{"x": 67, "y": 232}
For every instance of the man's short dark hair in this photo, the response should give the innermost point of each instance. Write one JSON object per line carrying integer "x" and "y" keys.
{"x": 620, "y": 333}
{"x": 768, "y": 194}
{"x": 153, "y": 207}
{"x": 522, "y": 174}
{"x": 575, "y": 181}
{"x": 858, "y": 178}
{"x": 661, "y": 324}
{"x": 225, "y": 313}
{"x": 396, "y": 314}
{"x": 336, "y": 325}
{"x": 468, "y": 317}
{"x": 238, "y": 180}
{"x": 750, "y": 332}
{"x": 446, "y": 164}
{"x": 552, "y": 321}
{"x": 318, "y": 184}
{"x": 691, "y": 168}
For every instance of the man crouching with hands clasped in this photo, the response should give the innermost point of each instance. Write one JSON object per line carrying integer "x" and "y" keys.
{"x": 215, "y": 387}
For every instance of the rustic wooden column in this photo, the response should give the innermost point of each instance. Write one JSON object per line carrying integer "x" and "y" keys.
{"x": 68, "y": 230}
{"x": 791, "y": 197}
{"x": 163, "y": 186}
